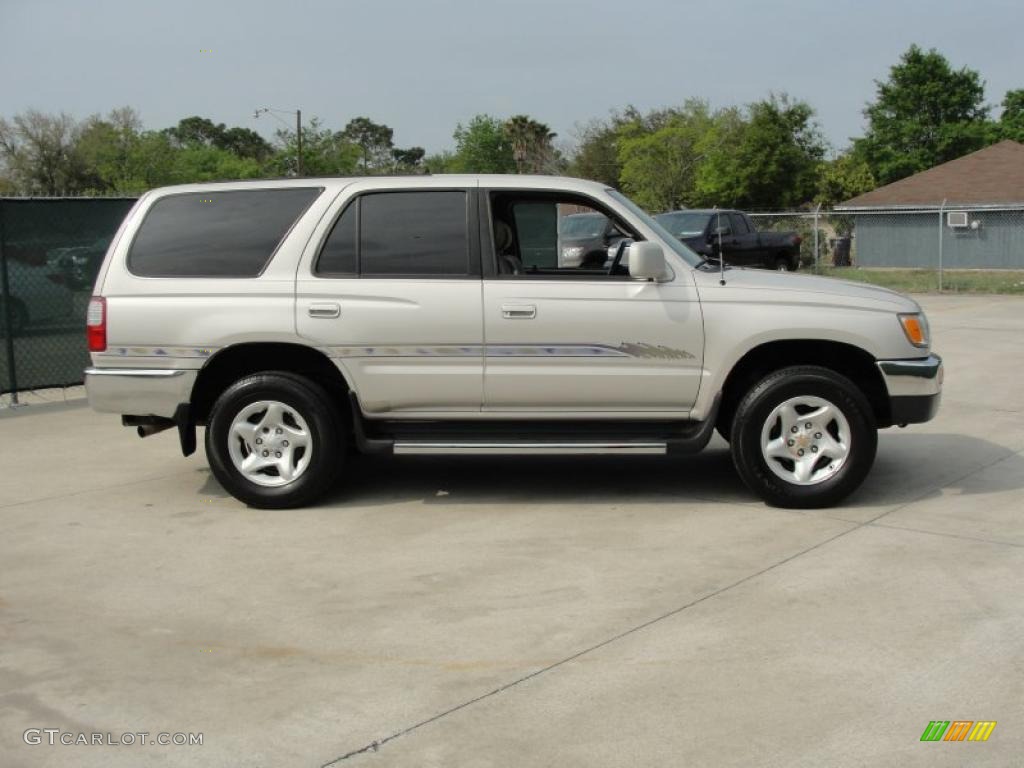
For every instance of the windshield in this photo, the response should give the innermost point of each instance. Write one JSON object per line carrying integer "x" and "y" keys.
{"x": 681, "y": 250}
{"x": 682, "y": 224}
{"x": 583, "y": 225}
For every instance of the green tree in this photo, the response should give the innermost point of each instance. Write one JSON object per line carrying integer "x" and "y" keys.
{"x": 1011, "y": 121}
{"x": 482, "y": 146}
{"x": 111, "y": 150}
{"x": 203, "y": 163}
{"x": 245, "y": 142}
{"x": 846, "y": 176}
{"x": 768, "y": 160}
{"x": 659, "y": 156}
{"x": 105, "y": 154}
{"x": 375, "y": 142}
{"x": 40, "y": 154}
{"x": 153, "y": 162}
{"x": 924, "y": 114}
{"x": 597, "y": 154}
{"x": 199, "y": 131}
{"x": 324, "y": 152}
{"x": 439, "y": 162}
{"x": 195, "y": 131}
{"x": 408, "y": 160}
{"x": 121, "y": 158}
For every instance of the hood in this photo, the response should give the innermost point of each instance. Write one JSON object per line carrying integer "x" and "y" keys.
{"x": 811, "y": 289}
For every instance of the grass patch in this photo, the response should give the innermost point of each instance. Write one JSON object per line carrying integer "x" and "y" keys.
{"x": 927, "y": 280}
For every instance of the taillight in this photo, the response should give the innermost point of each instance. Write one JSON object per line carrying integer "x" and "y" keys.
{"x": 797, "y": 239}
{"x": 96, "y": 324}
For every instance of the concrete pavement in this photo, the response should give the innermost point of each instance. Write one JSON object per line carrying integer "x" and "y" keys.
{"x": 555, "y": 611}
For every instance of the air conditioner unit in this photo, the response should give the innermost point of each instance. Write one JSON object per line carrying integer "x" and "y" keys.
{"x": 957, "y": 219}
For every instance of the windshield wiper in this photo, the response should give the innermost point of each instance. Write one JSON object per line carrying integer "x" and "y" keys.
{"x": 712, "y": 262}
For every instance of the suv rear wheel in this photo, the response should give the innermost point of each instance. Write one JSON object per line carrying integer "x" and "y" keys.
{"x": 274, "y": 440}
{"x": 804, "y": 437}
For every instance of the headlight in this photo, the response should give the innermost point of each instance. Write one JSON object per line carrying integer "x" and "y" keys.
{"x": 915, "y": 327}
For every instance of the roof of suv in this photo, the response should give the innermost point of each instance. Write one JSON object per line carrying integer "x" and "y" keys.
{"x": 499, "y": 181}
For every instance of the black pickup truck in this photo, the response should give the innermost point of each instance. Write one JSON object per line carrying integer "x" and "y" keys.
{"x": 742, "y": 244}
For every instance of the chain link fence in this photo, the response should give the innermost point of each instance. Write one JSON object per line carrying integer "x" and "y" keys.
{"x": 50, "y": 252}
{"x": 938, "y": 240}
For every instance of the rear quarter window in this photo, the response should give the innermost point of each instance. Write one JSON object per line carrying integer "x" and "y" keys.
{"x": 216, "y": 234}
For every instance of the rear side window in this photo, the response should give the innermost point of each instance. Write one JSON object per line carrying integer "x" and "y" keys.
{"x": 400, "y": 234}
{"x": 216, "y": 234}
{"x": 739, "y": 224}
{"x": 414, "y": 233}
{"x": 338, "y": 257}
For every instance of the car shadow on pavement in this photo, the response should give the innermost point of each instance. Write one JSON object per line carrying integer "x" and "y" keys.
{"x": 381, "y": 480}
{"x": 908, "y": 466}
{"x": 709, "y": 476}
{"x": 911, "y": 466}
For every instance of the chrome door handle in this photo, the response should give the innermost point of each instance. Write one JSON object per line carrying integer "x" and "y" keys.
{"x": 325, "y": 310}
{"x": 518, "y": 311}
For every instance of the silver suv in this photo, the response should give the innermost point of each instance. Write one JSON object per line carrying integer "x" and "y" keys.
{"x": 300, "y": 320}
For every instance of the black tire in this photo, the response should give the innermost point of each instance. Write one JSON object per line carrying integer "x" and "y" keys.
{"x": 327, "y": 436}
{"x": 782, "y": 264}
{"x": 756, "y": 407}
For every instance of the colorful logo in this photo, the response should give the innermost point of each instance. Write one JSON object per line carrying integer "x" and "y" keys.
{"x": 958, "y": 730}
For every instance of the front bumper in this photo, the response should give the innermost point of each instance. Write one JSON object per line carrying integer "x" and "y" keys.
{"x": 139, "y": 391}
{"x": 915, "y": 388}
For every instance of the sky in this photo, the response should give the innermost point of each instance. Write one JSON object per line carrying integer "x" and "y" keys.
{"x": 422, "y": 67}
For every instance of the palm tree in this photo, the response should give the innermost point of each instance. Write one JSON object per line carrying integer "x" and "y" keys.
{"x": 531, "y": 142}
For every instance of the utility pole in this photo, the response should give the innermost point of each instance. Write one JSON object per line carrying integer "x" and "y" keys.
{"x": 298, "y": 129}
{"x": 817, "y": 267}
{"x": 298, "y": 133}
{"x": 942, "y": 223}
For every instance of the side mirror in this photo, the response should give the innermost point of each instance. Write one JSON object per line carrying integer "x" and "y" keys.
{"x": 647, "y": 261}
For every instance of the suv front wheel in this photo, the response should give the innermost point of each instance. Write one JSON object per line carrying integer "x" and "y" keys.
{"x": 274, "y": 440}
{"x": 804, "y": 437}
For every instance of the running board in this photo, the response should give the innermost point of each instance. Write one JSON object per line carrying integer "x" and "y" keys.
{"x": 517, "y": 437}
{"x": 527, "y": 449}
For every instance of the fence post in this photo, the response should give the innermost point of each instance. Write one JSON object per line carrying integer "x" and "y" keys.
{"x": 5, "y": 293}
{"x": 817, "y": 264}
{"x": 942, "y": 211}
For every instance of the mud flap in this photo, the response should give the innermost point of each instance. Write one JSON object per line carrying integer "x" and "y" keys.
{"x": 186, "y": 429}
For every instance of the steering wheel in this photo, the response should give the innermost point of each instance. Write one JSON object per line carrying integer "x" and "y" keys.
{"x": 619, "y": 251}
